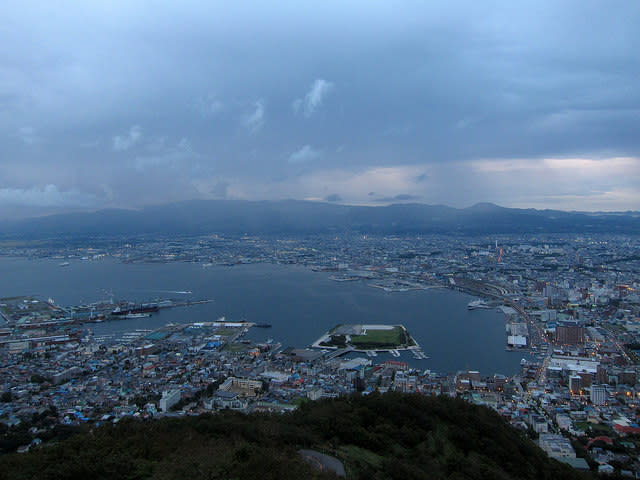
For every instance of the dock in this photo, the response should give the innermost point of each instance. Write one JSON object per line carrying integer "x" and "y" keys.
{"x": 338, "y": 353}
{"x": 419, "y": 354}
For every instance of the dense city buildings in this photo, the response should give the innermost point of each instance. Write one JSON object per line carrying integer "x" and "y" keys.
{"x": 571, "y": 307}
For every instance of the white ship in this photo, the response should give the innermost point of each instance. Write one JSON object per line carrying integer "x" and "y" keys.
{"x": 477, "y": 304}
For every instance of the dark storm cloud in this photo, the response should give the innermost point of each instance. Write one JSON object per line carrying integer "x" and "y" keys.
{"x": 128, "y": 103}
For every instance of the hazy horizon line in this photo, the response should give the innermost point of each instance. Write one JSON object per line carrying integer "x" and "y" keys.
{"x": 58, "y": 211}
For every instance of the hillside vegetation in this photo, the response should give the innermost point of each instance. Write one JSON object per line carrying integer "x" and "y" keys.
{"x": 394, "y": 436}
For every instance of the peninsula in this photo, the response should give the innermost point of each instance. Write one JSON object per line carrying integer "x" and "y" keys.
{"x": 368, "y": 338}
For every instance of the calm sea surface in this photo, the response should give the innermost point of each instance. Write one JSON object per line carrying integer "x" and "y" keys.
{"x": 299, "y": 303}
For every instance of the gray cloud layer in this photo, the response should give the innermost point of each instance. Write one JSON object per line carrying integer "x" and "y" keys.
{"x": 133, "y": 103}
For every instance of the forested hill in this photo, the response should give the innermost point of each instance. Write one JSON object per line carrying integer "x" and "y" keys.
{"x": 395, "y": 436}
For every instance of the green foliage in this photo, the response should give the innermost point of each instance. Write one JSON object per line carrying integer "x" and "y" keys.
{"x": 336, "y": 341}
{"x": 11, "y": 438}
{"x": 395, "y": 337}
{"x": 37, "y": 378}
{"x": 141, "y": 400}
{"x": 393, "y": 436}
{"x": 392, "y": 338}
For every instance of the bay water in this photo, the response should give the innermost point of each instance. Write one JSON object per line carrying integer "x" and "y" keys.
{"x": 299, "y": 303}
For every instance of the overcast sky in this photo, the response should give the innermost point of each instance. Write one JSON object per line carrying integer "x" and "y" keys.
{"x": 124, "y": 104}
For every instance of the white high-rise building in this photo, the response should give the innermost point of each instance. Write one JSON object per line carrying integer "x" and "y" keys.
{"x": 169, "y": 399}
{"x": 598, "y": 395}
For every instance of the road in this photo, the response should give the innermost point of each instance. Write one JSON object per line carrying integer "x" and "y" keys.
{"x": 323, "y": 462}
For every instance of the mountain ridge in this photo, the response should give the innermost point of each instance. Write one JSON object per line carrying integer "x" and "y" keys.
{"x": 196, "y": 217}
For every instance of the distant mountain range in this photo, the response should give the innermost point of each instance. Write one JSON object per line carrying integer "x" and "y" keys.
{"x": 300, "y": 217}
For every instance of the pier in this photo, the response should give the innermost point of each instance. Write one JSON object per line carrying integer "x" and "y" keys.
{"x": 338, "y": 353}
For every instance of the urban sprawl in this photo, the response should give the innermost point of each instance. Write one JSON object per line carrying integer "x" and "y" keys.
{"x": 571, "y": 305}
